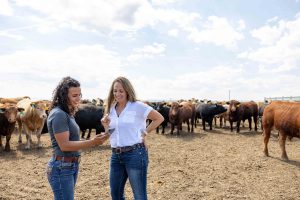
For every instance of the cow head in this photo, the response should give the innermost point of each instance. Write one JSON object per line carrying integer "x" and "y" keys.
{"x": 160, "y": 106}
{"x": 174, "y": 112}
{"x": 10, "y": 112}
{"x": 220, "y": 109}
{"x": 234, "y": 105}
{"x": 40, "y": 108}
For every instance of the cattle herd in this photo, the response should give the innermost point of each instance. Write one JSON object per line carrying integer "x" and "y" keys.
{"x": 29, "y": 117}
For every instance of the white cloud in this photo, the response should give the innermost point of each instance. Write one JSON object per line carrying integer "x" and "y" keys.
{"x": 5, "y": 8}
{"x": 218, "y": 31}
{"x": 215, "y": 84}
{"x": 111, "y": 15}
{"x": 162, "y": 2}
{"x": 93, "y": 65}
{"x": 148, "y": 51}
{"x": 268, "y": 35}
{"x": 280, "y": 49}
{"x": 10, "y": 35}
{"x": 173, "y": 33}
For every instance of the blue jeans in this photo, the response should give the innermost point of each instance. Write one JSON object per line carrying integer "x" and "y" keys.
{"x": 132, "y": 165}
{"x": 62, "y": 177}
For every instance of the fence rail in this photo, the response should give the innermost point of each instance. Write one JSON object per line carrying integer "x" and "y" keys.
{"x": 291, "y": 98}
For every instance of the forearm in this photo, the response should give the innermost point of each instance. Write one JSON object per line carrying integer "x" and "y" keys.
{"x": 76, "y": 145}
{"x": 153, "y": 125}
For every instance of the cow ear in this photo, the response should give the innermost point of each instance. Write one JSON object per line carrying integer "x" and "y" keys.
{"x": 21, "y": 109}
{"x": 33, "y": 105}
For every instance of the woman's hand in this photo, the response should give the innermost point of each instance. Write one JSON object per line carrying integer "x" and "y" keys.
{"x": 100, "y": 138}
{"x": 144, "y": 134}
{"x": 105, "y": 122}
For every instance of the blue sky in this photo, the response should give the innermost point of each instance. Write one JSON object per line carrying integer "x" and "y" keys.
{"x": 169, "y": 49}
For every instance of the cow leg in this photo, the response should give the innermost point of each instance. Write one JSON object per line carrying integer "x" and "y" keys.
{"x": 203, "y": 124}
{"x": 210, "y": 125}
{"x": 163, "y": 129}
{"x": 282, "y": 139}
{"x": 238, "y": 123}
{"x": 38, "y": 135}
{"x": 89, "y": 134}
{"x": 7, "y": 146}
{"x": 231, "y": 123}
{"x": 267, "y": 133}
{"x": 82, "y": 134}
{"x": 221, "y": 121}
{"x": 1, "y": 147}
{"x": 188, "y": 123}
{"x": 172, "y": 128}
{"x": 250, "y": 123}
{"x": 255, "y": 122}
{"x": 20, "y": 131}
{"x": 179, "y": 127}
{"x": 28, "y": 137}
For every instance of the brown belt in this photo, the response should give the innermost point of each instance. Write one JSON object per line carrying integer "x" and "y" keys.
{"x": 127, "y": 148}
{"x": 67, "y": 159}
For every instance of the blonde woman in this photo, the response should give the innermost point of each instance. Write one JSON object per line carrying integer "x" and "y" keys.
{"x": 126, "y": 119}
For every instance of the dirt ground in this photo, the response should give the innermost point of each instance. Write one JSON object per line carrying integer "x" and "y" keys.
{"x": 214, "y": 164}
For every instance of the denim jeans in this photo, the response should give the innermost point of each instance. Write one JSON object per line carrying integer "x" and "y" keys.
{"x": 62, "y": 177}
{"x": 130, "y": 165}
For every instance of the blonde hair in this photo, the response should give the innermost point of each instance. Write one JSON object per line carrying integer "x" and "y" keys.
{"x": 131, "y": 96}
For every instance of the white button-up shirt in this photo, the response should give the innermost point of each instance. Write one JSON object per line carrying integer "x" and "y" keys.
{"x": 129, "y": 126}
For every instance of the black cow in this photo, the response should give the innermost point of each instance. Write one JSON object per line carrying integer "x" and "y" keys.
{"x": 208, "y": 111}
{"x": 89, "y": 117}
{"x": 261, "y": 109}
{"x": 164, "y": 110}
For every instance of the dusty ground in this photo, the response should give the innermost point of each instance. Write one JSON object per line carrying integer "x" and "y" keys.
{"x": 202, "y": 165}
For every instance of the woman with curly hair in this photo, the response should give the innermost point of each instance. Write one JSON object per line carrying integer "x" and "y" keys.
{"x": 62, "y": 170}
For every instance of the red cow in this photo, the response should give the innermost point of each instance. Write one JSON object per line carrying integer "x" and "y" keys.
{"x": 240, "y": 112}
{"x": 285, "y": 117}
{"x": 179, "y": 113}
{"x": 8, "y": 117}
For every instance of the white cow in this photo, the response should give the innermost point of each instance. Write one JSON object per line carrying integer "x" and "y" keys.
{"x": 31, "y": 120}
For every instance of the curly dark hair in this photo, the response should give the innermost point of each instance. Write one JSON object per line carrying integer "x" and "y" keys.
{"x": 60, "y": 94}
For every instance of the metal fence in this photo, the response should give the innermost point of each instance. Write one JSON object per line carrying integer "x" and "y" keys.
{"x": 292, "y": 98}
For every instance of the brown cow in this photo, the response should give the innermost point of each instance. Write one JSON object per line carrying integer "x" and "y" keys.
{"x": 32, "y": 119}
{"x": 8, "y": 117}
{"x": 240, "y": 112}
{"x": 12, "y": 100}
{"x": 285, "y": 117}
{"x": 179, "y": 113}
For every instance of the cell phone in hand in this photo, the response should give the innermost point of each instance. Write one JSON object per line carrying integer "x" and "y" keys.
{"x": 110, "y": 131}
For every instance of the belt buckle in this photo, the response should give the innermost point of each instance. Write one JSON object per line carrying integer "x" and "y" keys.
{"x": 118, "y": 150}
